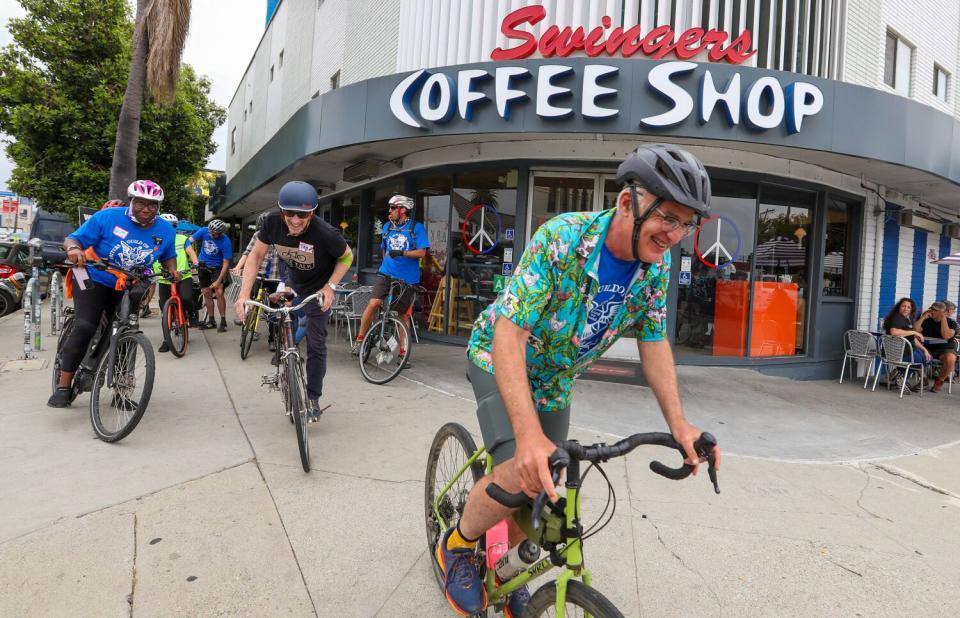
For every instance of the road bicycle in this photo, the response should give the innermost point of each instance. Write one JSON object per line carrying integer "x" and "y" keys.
{"x": 289, "y": 377}
{"x": 251, "y": 322}
{"x": 455, "y": 464}
{"x": 385, "y": 349}
{"x": 119, "y": 366}
{"x": 174, "y": 322}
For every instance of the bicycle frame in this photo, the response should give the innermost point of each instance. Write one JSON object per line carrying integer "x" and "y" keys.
{"x": 552, "y": 530}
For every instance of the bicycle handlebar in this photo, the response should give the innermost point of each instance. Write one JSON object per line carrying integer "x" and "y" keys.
{"x": 318, "y": 296}
{"x": 571, "y": 449}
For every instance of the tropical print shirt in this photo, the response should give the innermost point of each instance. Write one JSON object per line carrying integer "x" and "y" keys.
{"x": 550, "y": 294}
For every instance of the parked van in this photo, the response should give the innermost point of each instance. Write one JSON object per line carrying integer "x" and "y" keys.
{"x": 51, "y": 228}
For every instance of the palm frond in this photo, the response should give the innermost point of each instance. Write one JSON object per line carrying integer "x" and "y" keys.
{"x": 166, "y": 23}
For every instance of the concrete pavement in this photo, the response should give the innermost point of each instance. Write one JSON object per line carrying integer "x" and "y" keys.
{"x": 836, "y": 501}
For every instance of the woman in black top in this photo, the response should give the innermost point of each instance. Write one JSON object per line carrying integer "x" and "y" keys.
{"x": 899, "y": 322}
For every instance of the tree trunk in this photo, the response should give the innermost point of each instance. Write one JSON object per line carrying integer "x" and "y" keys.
{"x": 124, "y": 169}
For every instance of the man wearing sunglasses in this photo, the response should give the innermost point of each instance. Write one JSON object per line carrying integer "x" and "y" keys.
{"x": 584, "y": 280}
{"x": 317, "y": 257}
{"x": 212, "y": 263}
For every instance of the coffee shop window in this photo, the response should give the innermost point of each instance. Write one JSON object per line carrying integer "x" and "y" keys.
{"x": 836, "y": 269}
{"x": 481, "y": 247}
{"x": 344, "y": 214}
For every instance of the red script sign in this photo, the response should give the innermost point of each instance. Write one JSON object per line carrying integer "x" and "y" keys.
{"x": 656, "y": 44}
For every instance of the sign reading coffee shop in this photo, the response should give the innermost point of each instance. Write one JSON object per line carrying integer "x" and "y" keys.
{"x": 436, "y": 97}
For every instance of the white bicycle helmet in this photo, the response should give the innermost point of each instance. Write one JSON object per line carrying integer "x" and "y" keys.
{"x": 217, "y": 226}
{"x": 401, "y": 201}
{"x": 145, "y": 189}
{"x": 169, "y": 217}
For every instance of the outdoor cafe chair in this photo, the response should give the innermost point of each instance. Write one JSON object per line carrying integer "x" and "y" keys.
{"x": 859, "y": 345}
{"x": 936, "y": 364}
{"x": 353, "y": 306}
{"x": 893, "y": 351}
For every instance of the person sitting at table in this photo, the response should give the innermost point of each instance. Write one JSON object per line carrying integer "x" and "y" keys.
{"x": 934, "y": 323}
{"x": 899, "y": 322}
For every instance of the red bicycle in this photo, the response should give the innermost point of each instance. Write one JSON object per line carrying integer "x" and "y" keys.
{"x": 175, "y": 324}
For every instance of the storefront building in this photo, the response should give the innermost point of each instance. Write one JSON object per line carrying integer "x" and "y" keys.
{"x": 831, "y": 131}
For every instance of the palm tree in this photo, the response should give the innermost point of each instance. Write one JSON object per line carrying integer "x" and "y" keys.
{"x": 159, "y": 35}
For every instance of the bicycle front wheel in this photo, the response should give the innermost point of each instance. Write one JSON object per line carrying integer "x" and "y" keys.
{"x": 174, "y": 329}
{"x": 452, "y": 447}
{"x": 297, "y": 406}
{"x": 249, "y": 328}
{"x": 115, "y": 412}
{"x": 581, "y": 600}
{"x": 385, "y": 350}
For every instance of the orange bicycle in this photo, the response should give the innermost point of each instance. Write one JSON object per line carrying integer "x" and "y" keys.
{"x": 174, "y": 322}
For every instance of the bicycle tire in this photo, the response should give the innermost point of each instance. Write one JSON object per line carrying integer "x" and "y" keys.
{"x": 127, "y": 343}
{"x": 175, "y": 332}
{"x": 579, "y": 596}
{"x": 297, "y": 406}
{"x": 61, "y": 341}
{"x": 380, "y": 358}
{"x": 452, "y": 504}
{"x": 248, "y": 330}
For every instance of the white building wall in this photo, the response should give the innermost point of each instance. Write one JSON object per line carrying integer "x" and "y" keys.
{"x": 274, "y": 80}
{"x": 932, "y": 27}
{"x": 870, "y": 253}
{"x": 327, "y": 44}
{"x": 298, "y": 57}
{"x": 371, "y": 48}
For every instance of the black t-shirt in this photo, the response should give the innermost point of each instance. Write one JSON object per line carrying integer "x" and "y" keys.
{"x": 311, "y": 256}
{"x": 931, "y": 328}
{"x": 898, "y": 320}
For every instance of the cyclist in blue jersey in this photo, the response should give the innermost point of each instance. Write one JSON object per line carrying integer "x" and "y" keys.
{"x": 403, "y": 242}
{"x": 213, "y": 263}
{"x": 131, "y": 237}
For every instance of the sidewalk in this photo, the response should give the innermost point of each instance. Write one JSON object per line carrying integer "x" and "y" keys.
{"x": 836, "y": 501}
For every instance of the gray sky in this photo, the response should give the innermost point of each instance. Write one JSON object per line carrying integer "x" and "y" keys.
{"x": 223, "y": 36}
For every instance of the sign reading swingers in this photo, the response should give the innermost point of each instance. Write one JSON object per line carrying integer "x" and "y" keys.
{"x": 560, "y": 91}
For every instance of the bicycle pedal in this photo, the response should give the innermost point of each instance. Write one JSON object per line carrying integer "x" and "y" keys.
{"x": 270, "y": 380}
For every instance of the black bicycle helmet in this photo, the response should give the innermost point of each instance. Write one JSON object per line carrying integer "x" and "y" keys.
{"x": 297, "y": 195}
{"x": 670, "y": 173}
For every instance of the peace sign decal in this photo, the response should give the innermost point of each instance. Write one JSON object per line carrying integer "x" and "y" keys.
{"x": 717, "y": 249}
{"x": 481, "y": 229}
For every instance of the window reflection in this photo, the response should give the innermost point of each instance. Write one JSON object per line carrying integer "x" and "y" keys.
{"x": 835, "y": 267}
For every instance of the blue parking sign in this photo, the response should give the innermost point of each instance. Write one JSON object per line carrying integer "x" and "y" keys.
{"x": 685, "y": 277}
{"x": 507, "y": 269}
{"x": 508, "y": 233}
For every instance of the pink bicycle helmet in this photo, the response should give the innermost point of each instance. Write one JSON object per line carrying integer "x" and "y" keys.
{"x": 145, "y": 189}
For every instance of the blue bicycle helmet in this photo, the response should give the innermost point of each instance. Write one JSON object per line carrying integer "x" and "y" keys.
{"x": 297, "y": 195}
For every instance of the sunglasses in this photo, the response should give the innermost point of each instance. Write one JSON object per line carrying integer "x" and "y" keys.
{"x": 142, "y": 205}
{"x": 297, "y": 214}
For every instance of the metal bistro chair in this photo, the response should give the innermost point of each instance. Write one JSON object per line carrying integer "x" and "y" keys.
{"x": 893, "y": 350}
{"x": 340, "y": 306}
{"x": 859, "y": 345}
{"x": 354, "y": 304}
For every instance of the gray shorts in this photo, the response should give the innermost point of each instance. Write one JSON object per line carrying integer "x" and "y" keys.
{"x": 495, "y": 424}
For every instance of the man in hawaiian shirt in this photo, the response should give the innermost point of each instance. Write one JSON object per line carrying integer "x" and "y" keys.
{"x": 585, "y": 280}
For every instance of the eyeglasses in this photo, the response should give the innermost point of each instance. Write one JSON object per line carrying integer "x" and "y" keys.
{"x": 144, "y": 205}
{"x": 671, "y": 224}
{"x": 298, "y": 214}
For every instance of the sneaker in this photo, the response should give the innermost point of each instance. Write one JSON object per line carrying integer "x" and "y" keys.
{"x": 145, "y": 312}
{"x": 237, "y": 321}
{"x": 313, "y": 411}
{"x": 465, "y": 591}
{"x": 937, "y": 385}
{"x": 208, "y": 325}
{"x": 223, "y": 326}
{"x": 272, "y": 345}
{"x": 516, "y": 602}
{"x": 355, "y": 350}
{"x": 60, "y": 398}
{"x": 194, "y": 322}
{"x": 163, "y": 347}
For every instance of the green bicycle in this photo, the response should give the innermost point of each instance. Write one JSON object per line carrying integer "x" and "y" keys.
{"x": 455, "y": 465}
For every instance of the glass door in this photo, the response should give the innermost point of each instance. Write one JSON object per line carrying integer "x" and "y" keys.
{"x": 554, "y": 193}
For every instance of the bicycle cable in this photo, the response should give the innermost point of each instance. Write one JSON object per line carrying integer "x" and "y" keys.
{"x": 611, "y": 499}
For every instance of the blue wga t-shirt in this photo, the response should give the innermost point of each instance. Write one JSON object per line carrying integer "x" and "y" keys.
{"x": 213, "y": 251}
{"x": 118, "y": 240}
{"x": 615, "y": 277}
{"x": 407, "y": 237}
